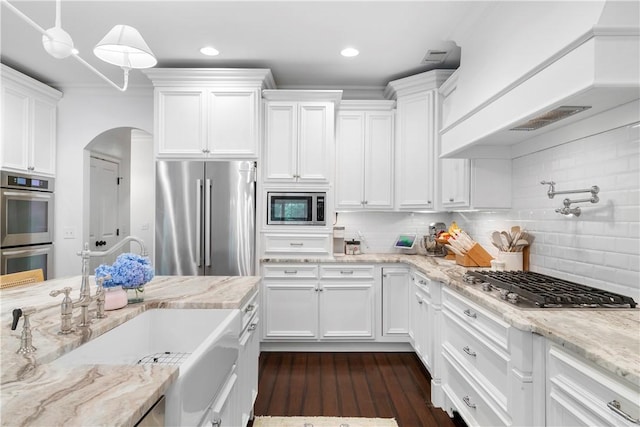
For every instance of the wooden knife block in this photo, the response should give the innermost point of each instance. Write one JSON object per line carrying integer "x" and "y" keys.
{"x": 477, "y": 256}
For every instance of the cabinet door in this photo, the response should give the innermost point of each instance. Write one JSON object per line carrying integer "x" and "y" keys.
{"x": 455, "y": 175}
{"x": 281, "y": 149}
{"x": 350, "y": 160}
{"x": 395, "y": 302}
{"x": 180, "y": 123}
{"x": 415, "y": 148}
{"x": 43, "y": 152}
{"x": 233, "y": 124}
{"x": 346, "y": 310}
{"x": 15, "y": 130}
{"x": 291, "y": 309}
{"x": 315, "y": 139}
{"x": 378, "y": 169}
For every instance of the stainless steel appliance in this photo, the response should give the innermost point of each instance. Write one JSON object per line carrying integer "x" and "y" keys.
{"x": 26, "y": 228}
{"x": 296, "y": 208}
{"x": 205, "y": 218}
{"x": 431, "y": 245}
{"x": 528, "y": 289}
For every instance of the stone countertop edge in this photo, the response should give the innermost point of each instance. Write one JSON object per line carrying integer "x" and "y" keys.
{"x": 579, "y": 330}
{"x": 83, "y": 395}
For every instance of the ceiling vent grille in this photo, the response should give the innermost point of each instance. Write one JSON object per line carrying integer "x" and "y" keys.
{"x": 435, "y": 57}
{"x": 550, "y": 117}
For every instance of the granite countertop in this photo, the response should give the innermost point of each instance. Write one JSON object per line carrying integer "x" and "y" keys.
{"x": 37, "y": 393}
{"x": 610, "y": 338}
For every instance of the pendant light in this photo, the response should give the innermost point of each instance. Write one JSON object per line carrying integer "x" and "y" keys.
{"x": 123, "y": 46}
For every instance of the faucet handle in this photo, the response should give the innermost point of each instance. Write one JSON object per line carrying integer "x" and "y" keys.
{"x": 100, "y": 297}
{"x": 66, "y": 310}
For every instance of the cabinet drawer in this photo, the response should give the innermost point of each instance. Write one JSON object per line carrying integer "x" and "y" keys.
{"x": 423, "y": 283}
{"x": 577, "y": 388}
{"x": 476, "y": 409}
{"x": 297, "y": 245}
{"x": 486, "y": 362}
{"x": 346, "y": 271}
{"x": 290, "y": 271}
{"x": 477, "y": 318}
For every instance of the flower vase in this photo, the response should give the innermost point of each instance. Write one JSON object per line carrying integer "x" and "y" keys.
{"x": 115, "y": 298}
{"x": 136, "y": 294}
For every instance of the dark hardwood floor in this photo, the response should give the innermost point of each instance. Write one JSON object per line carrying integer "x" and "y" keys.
{"x": 384, "y": 385}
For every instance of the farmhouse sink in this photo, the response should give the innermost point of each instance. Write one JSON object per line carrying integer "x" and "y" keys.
{"x": 202, "y": 342}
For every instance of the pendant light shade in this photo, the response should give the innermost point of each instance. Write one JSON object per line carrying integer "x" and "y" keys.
{"x": 124, "y": 46}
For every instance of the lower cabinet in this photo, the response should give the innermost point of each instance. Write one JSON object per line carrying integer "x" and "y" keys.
{"x": 395, "y": 302}
{"x": 248, "y": 360}
{"x": 422, "y": 322}
{"x": 487, "y": 367}
{"x": 582, "y": 394}
{"x": 308, "y": 302}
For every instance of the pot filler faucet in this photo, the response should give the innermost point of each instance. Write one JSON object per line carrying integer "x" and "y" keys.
{"x": 85, "y": 289}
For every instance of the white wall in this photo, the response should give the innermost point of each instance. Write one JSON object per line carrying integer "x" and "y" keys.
{"x": 143, "y": 205}
{"x": 601, "y": 247}
{"x": 84, "y": 113}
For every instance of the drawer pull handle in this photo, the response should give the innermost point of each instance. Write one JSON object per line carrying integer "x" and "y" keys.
{"x": 470, "y": 313}
{"x": 252, "y": 327}
{"x": 420, "y": 302}
{"x": 296, "y": 244}
{"x": 291, "y": 272}
{"x": 346, "y": 271}
{"x": 249, "y": 308}
{"x": 422, "y": 282}
{"x": 469, "y": 352}
{"x": 614, "y": 405}
{"x": 467, "y": 401}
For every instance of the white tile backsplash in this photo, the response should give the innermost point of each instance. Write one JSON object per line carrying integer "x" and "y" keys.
{"x": 601, "y": 247}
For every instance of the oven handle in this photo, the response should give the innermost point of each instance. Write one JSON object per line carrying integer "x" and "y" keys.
{"x": 37, "y": 251}
{"x": 29, "y": 194}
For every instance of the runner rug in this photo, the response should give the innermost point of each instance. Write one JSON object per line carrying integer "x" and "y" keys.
{"x": 323, "y": 422}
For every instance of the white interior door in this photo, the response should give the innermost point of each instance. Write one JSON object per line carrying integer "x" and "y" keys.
{"x": 104, "y": 224}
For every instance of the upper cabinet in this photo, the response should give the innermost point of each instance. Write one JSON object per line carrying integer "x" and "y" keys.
{"x": 29, "y": 110}
{"x": 208, "y": 113}
{"x": 475, "y": 184}
{"x": 299, "y": 136}
{"x": 417, "y": 126}
{"x": 364, "y": 155}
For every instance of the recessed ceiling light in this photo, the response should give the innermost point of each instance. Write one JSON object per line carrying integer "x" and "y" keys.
{"x": 349, "y": 52}
{"x": 209, "y": 51}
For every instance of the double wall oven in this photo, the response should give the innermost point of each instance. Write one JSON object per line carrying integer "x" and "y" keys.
{"x": 26, "y": 223}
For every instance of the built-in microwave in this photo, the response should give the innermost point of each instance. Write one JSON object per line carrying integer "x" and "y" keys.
{"x": 296, "y": 208}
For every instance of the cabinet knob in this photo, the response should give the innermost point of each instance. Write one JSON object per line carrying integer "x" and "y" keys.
{"x": 451, "y": 199}
{"x": 366, "y": 202}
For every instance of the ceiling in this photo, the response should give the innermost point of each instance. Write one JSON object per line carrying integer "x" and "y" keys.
{"x": 300, "y": 41}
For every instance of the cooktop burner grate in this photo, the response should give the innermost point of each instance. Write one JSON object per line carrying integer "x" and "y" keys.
{"x": 547, "y": 291}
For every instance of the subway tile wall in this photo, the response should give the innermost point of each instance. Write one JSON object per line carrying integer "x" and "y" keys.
{"x": 600, "y": 248}
{"x": 380, "y": 229}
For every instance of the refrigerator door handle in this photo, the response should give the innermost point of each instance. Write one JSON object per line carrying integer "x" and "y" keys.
{"x": 207, "y": 224}
{"x": 198, "y": 221}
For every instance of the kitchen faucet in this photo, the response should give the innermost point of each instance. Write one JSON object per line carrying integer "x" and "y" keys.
{"x": 85, "y": 289}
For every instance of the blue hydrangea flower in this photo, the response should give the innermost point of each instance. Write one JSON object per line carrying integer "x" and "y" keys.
{"x": 129, "y": 271}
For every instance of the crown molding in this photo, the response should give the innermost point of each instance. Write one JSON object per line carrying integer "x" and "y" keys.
{"x": 211, "y": 77}
{"x": 424, "y": 81}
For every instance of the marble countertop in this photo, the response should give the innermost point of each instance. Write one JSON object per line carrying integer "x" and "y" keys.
{"x": 37, "y": 393}
{"x": 610, "y": 338}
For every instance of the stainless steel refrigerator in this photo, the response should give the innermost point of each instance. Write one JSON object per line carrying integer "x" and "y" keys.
{"x": 205, "y": 218}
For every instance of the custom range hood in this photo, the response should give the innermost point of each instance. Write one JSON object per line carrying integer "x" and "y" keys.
{"x": 597, "y": 72}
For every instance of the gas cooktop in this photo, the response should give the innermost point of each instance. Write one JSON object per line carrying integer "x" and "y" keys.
{"x": 531, "y": 289}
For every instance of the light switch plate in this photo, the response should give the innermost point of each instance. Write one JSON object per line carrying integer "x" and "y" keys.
{"x": 69, "y": 233}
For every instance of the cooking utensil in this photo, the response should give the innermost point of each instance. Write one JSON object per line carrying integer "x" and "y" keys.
{"x": 497, "y": 240}
{"x": 506, "y": 244}
{"x": 519, "y": 245}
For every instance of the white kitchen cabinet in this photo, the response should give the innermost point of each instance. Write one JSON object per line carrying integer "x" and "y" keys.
{"x": 582, "y": 394}
{"x": 208, "y": 113}
{"x": 298, "y": 245}
{"x": 487, "y": 370}
{"x": 395, "y": 302}
{"x": 28, "y": 122}
{"x": 421, "y": 325}
{"x": 417, "y": 138}
{"x": 299, "y": 306}
{"x": 364, "y": 155}
{"x": 347, "y": 302}
{"x": 248, "y": 359}
{"x": 475, "y": 183}
{"x": 299, "y": 136}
